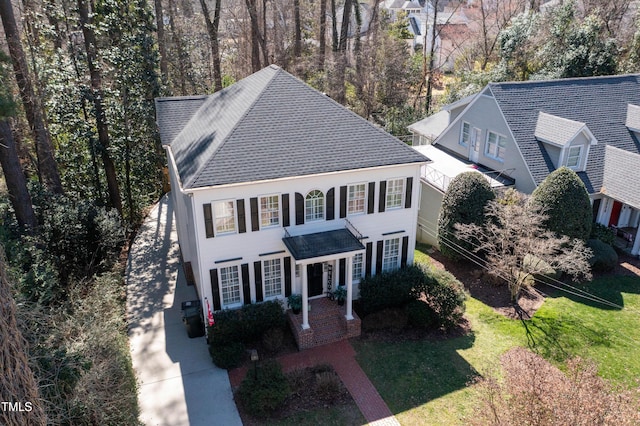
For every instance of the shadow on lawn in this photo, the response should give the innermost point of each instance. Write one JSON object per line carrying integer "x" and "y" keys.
{"x": 411, "y": 373}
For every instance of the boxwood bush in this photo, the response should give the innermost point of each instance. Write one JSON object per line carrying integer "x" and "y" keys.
{"x": 602, "y": 233}
{"x": 604, "y": 257}
{"x": 264, "y": 392}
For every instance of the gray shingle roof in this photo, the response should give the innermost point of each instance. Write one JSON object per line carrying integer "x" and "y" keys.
{"x": 556, "y": 130}
{"x": 633, "y": 117}
{"x": 271, "y": 125}
{"x": 180, "y": 109}
{"x": 619, "y": 167}
{"x": 599, "y": 102}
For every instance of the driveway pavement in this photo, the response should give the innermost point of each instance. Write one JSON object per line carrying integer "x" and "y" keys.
{"x": 177, "y": 382}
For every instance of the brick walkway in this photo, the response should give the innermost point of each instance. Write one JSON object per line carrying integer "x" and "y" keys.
{"x": 341, "y": 356}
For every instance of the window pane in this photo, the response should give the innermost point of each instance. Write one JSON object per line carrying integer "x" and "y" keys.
{"x": 269, "y": 211}
{"x": 225, "y": 216}
{"x": 230, "y": 284}
{"x": 573, "y": 159}
{"x": 272, "y": 278}
{"x": 356, "y": 198}
{"x": 464, "y": 134}
{"x": 395, "y": 190}
{"x": 390, "y": 257}
{"x": 314, "y": 206}
{"x": 357, "y": 267}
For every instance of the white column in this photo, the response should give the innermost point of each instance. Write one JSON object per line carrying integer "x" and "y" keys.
{"x": 349, "y": 277}
{"x": 636, "y": 245}
{"x": 305, "y": 298}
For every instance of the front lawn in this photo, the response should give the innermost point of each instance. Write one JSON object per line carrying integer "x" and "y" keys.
{"x": 426, "y": 382}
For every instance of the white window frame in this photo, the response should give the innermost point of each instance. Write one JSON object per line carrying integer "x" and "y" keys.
{"x": 577, "y": 157}
{"x": 230, "y": 285}
{"x": 465, "y": 134}
{"x": 394, "y": 198}
{"x": 357, "y": 267}
{"x": 272, "y": 277}
{"x": 391, "y": 255}
{"x": 495, "y": 150}
{"x": 353, "y": 203}
{"x": 269, "y": 213}
{"x": 314, "y": 206}
{"x": 224, "y": 221}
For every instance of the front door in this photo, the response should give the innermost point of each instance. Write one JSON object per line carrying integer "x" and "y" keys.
{"x": 314, "y": 279}
{"x": 474, "y": 150}
{"x": 615, "y": 213}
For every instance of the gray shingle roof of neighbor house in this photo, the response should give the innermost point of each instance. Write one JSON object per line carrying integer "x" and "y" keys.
{"x": 620, "y": 169}
{"x": 599, "y": 102}
{"x": 267, "y": 126}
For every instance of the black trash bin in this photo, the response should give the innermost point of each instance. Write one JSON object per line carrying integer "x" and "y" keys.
{"x": 192, "y": 318}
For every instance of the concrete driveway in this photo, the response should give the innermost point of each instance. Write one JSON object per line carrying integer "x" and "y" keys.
{"x": 177, "y": 382}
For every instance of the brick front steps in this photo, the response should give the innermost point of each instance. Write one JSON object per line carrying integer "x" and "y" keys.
{"x": 327, "y": 324}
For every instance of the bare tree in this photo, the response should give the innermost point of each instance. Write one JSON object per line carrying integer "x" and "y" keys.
{"x": 517, "y": 246}
{"x": 162, "y": 47}
{"x": 212, "y": 30}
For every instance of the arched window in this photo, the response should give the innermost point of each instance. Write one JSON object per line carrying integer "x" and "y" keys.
{"x": 314, "y": 206}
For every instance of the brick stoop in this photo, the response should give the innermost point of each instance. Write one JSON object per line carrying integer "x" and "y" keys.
{"x": 327, "y": 324}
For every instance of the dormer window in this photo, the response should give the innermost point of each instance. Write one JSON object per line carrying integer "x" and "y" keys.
{"x": 573, "y": 157}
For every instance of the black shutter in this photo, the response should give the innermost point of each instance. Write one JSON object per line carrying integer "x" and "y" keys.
{"x": 330, "y": 204}
{"x": 408, "y": 192}
{"x": 382, "y": 201}
{"x": 246, "y": 285}
{"x": 255, "y": 225}
{"x": 299, "y": 209}
{"x": 371, "y": 207}
{"x": 242, "y": 221}
{"x": 343, "y": 271}
{"x": 285, "y": 210}
{"x": 257, "y": 270}
{"x": 208, "y": 220}
{"x": 215, "y": 289}
{"x": 287, "y": 276}
{"x": 343, "y": 201}
{"x": 379, "y": 252}
{"x": 405, "y": 251}
{"x": 368, "y": 256}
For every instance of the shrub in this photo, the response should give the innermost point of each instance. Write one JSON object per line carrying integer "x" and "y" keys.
{"x": 390, "y": 289}
{"x": 327, "y": 385}
{"x": 464, "y": 202}
{"x": 247, "y": 324}
{"x": 421, "y": 315}
{"x": 386, "y": 319}
{"x": 272, "y": 339}
{"x": 564, "y": 199}
{"x": 602, "y": 233}
{"x": 446, "y": 296}
{"x": 604, "y": 256}
{"x": 228, "y": 355}
{"x": 265, "y": 394}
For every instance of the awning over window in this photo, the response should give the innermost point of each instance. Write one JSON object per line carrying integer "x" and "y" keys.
{"x": 322, "y": 244}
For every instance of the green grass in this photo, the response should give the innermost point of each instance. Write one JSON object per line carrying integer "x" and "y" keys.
{"x": 426, "y": 382}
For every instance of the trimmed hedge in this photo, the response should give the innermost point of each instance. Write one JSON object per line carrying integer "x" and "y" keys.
{"x": 604, "y": 256}
{"x": 602, "y": 233}
{"x": 264, "y": 392}
{"x": 229, "y": 355}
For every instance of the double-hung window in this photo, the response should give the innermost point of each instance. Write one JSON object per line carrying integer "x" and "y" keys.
{"x": 356, "y": 270}
{"x": 230, "y": 285}
{"x": 395, "y": 192}
{"x": 272, "y": 277}
{"x": 573, "y": 157}
{"x": 391, "y": 254}
{"x": 225, "y": 216}
{"x": 496, "y": 146}
{"x": 356, "y": 200}
{"x": 465, "y": 134}
{"x": 314, "y": 206}
{"x": 269, "y": 211}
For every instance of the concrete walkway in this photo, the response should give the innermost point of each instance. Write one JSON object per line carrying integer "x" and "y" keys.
{"x": 177, "y": 382}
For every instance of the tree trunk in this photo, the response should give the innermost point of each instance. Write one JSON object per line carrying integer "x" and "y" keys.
{"x": 344, "y": 29}
{"x": 162, "y": 49}
{"x": 432, "y": 51}
{"x": 297, "y": 45}
{"x": 47, "y": 166}
{"x": 101, "y": 119}
{"x": 14, "y": 178}
{"x": 334, "y": 27}
{"x": 255, "y": 35}
{"x": 322, "y": 37}
{"x": 212, "y": 30}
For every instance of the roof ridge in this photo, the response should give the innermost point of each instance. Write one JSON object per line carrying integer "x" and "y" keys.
{"x": 278, "y": 70}
{"x": 563, "y": 80}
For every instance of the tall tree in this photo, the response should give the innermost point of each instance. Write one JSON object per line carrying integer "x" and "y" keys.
{"x": 297, "y": 43}
{"x": 212, "y": 30}
{"x": 101, "y": 120}
{"x": 47, "y": 166}
{"x": 322, "y": 35}
{"x": 162, "y": 47}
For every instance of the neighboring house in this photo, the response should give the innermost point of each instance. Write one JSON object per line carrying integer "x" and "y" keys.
{"x": 278, "y": 189}
{"x": 525, "y": 130}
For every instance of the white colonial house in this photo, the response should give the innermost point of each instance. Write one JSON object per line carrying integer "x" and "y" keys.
{"x": 517, "y": 133}
{"x": 278, "y": 190}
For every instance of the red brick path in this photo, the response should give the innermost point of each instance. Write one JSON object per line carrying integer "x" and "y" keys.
{"x": 341, "y": 356}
